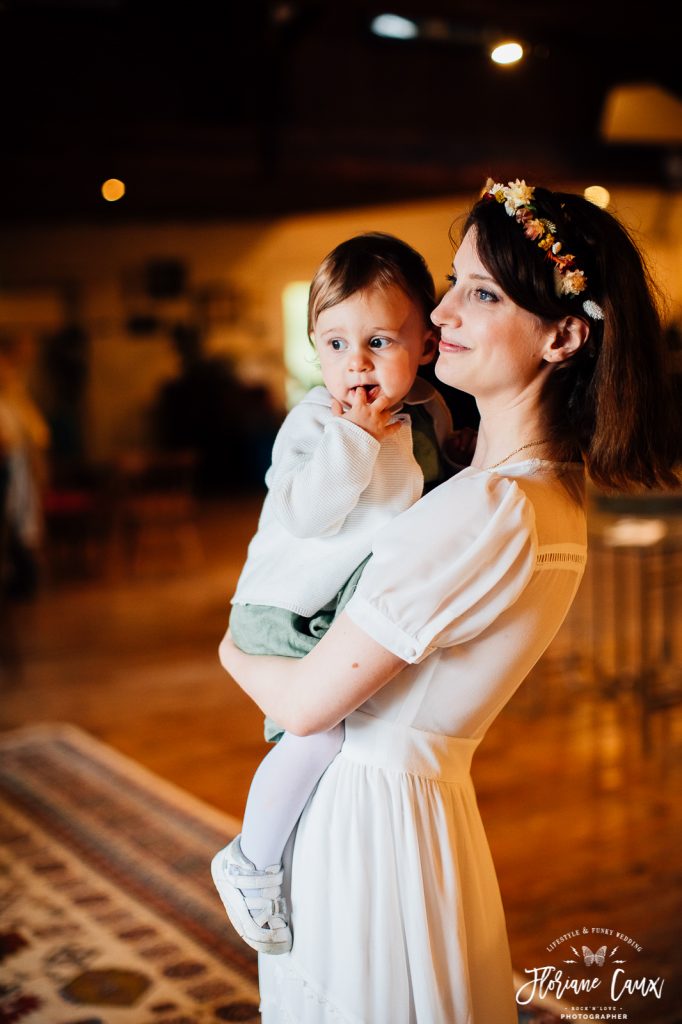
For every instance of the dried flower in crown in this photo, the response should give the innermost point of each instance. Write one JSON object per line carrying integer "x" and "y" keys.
{"x": 518, "y": 202}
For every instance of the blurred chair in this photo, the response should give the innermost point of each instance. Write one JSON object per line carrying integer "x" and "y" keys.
{"x": 636, "y": 599}
{"x": 78, "y": 512}
{"x": 157, "y": 511}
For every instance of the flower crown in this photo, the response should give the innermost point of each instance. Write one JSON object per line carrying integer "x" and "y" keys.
{"x": 518, "y": 202}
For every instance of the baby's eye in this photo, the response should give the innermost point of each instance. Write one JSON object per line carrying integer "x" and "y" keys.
{"x": 338, "y": 344}
{"x": 379, "y": 342}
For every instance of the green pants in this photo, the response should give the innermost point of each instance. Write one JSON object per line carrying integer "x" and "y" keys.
{"x": 263, "y": 629}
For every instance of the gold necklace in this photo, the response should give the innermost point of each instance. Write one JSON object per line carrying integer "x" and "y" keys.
{"x": 531, "y": 444}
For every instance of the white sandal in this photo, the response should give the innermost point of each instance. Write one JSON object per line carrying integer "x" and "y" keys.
{"x": 253, "y": 899}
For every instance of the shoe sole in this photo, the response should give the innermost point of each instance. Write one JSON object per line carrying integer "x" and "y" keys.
{"x": 226, "y": 894}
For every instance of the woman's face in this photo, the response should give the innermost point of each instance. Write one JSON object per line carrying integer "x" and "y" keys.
{"x": 489, "y": 347}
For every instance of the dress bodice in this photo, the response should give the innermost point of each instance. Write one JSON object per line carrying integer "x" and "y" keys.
{"x": 470, "y": 586}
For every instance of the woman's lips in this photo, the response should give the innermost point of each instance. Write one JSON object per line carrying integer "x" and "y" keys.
{"x": 451, "y": 346}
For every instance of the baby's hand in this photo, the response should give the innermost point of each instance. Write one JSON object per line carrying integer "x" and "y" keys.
{"x": 374, "y": 417}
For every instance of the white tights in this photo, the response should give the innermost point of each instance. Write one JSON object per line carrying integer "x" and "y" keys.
{"x": 280, "y": 789}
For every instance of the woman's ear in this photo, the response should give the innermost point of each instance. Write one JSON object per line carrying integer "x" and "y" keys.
{"x": 430, "y": 347}
{"x": 568, "y": 337}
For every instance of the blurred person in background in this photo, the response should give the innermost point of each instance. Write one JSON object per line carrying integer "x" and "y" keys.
{"x": 24, "y": 442}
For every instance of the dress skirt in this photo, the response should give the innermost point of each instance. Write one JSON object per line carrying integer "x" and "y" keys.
{"x": 395, "y": 906}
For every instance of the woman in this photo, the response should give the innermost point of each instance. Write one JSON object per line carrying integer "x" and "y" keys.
{"x": 395, "y": 907}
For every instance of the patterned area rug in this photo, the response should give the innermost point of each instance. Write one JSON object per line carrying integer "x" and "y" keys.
{"x": 107, "y": 910}
{"x": 107, "y": 907}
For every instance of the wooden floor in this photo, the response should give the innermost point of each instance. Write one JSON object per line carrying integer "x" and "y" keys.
{"x": 585, "y": 827}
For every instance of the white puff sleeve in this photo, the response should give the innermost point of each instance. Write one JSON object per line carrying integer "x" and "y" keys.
{"x": 445, "y": 569}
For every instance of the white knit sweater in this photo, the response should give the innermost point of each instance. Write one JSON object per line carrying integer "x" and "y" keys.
{"x": 331, "y": 486}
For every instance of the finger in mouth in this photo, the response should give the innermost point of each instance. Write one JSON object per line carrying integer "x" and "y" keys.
{"x": 371, "y": 390}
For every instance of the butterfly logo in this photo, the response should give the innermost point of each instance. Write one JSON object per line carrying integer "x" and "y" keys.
{"x": 597, "y": 958}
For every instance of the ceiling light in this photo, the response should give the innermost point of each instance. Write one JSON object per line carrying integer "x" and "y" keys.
{"x": 598, "y": 195}
{"x": 113, "y": 189}
{"x": 506, "y": 53}
{"x": 642, "y": 113}
{"x": 392, "y": 26}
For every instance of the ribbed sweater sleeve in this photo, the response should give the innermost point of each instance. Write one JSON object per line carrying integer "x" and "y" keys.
{"x": 316, "y": 479}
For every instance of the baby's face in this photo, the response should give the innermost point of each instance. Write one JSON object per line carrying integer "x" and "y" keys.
{"x": 374, "y": 340}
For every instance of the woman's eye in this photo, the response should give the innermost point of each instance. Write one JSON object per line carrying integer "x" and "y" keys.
{"x": 452, "y": 278}
{"x": 486, "y": 296}
{"x": 338, "y": 344}
{"x": 379, "y": 343}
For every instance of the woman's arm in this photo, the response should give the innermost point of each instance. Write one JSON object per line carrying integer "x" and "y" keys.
{"x": 314, "y": 693}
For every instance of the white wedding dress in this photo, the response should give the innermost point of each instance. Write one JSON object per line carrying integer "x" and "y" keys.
{"x": 395, "y": 906}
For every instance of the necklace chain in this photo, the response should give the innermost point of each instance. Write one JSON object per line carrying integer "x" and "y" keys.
{"x": 531, "y": 444}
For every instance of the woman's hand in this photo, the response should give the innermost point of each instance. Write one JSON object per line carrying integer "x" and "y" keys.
{"x": 315, "y": 693}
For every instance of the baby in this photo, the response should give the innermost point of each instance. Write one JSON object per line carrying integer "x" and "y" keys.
{"x": 347, "y": 459}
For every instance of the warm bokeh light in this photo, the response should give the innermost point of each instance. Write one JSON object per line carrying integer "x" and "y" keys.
{"x": 392, "y": 26}
{"x": 507, "y": 53}
{"x": 598, "y": 195}
{"x": 113, "y": 189}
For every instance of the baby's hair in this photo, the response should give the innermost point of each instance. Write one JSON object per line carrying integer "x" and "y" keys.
{"x": 371, "y": 260}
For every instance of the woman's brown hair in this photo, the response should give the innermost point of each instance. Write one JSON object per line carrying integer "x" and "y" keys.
{"x": 611, "y": 403}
